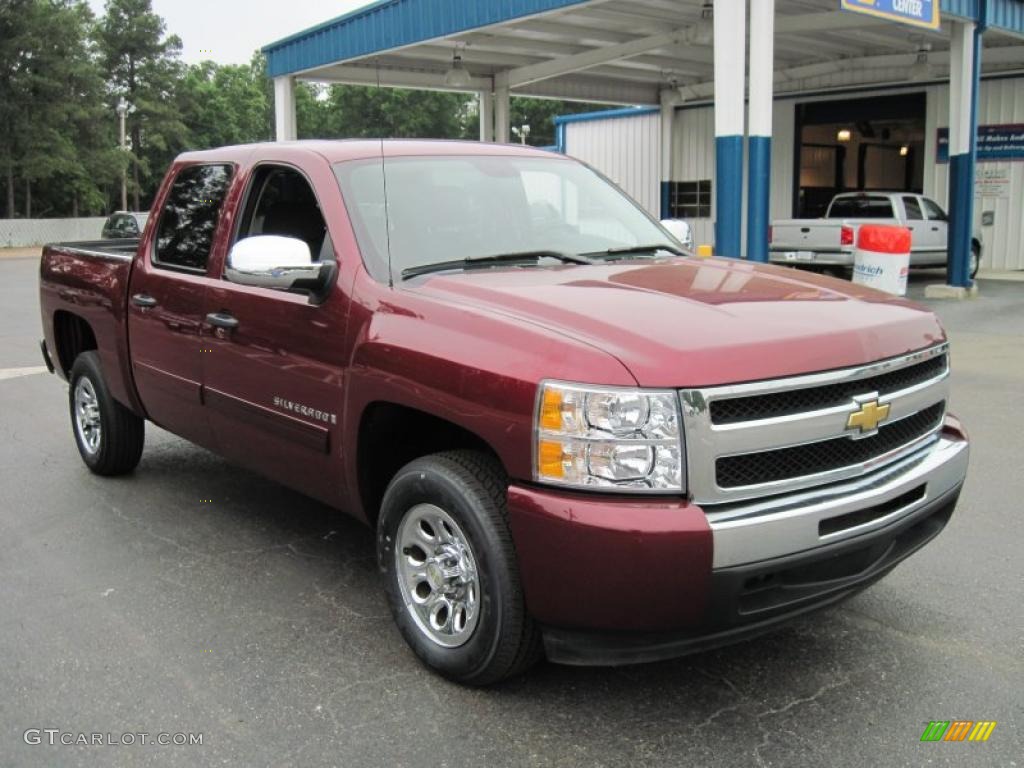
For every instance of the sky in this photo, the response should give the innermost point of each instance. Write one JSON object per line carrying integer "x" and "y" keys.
{"x": 229, "y": 31}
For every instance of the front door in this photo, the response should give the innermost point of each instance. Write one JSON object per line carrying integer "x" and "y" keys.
{"x": 938, "y": 230}
{"x": 274, "y": 376}
{"x": 166, "y": 301}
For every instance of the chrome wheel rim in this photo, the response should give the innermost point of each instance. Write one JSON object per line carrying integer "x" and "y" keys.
{"x": 974, "y": 262}
{"x": 437, "y": 575}
{"x": 87, "y": 415}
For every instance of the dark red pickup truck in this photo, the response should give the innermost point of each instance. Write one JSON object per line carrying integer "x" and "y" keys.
{"x": 571, "y": 437}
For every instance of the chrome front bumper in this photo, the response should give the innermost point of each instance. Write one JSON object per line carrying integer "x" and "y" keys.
{"x": 751, "y": 531}
{"x": 818, "y": 259}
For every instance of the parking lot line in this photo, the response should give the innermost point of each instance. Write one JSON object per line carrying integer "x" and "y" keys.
{"x": 17, "y": 373}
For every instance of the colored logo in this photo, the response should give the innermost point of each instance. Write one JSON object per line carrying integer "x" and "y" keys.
{"x": 958, "y": 730}
{"x": 917, "y": 13}
{"x": 868, "y": 416}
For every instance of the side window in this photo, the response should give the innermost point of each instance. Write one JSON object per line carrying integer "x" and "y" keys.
{"x": 935, "y": 213}
{"x": 281, "y": 202}
{"x": 189, "y": 217}
{"x": 129, "y": 228}
{"x": 912, "y": 208}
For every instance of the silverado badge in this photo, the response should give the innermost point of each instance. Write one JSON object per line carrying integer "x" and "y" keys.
{"x": 868, "y": 416}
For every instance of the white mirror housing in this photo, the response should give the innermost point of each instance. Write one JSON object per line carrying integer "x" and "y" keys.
{"x": 271, "y": 261}
{"x": 680, "y": 230}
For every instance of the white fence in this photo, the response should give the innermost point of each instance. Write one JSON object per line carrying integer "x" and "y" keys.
{"x": 19, "y": 233}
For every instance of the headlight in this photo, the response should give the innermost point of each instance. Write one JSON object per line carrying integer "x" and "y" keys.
{"x": 608, "y": 438}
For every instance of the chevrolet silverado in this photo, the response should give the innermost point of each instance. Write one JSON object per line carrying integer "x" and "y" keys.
{"x": 572, "y": 438}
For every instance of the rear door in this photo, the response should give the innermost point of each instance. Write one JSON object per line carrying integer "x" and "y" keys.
{"x": 921, "y": 243}
{"x": 166, "y": 300}
{"x": 273, "y": 381}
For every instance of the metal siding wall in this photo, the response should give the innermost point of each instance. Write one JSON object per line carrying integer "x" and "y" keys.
{"x": 626, "y": 150}
{"x": 693, "y": 159}
{"x": 783, "y": 125}
{"x": 999, "y": 102}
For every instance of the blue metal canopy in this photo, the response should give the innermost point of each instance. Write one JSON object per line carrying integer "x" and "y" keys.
{"x": 389, "y": 24}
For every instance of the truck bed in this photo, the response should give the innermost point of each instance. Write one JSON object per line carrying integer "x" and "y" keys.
{"x": 89, "y": 280}
{"x": 119, "y": 249}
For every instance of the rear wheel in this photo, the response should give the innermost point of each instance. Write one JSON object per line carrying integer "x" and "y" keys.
{"x": 975, "y": 262}
{"x": 450, "y": 569}
{"x": 109, "y": 436}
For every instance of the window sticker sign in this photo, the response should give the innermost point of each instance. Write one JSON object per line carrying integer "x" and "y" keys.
{"x": 917, "y": 13}
{"x": 992, "y": 182}
{"x": 995, "y": 142}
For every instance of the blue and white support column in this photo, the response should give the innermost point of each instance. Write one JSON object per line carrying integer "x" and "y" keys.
{"x": 965, "y": 65}
{"x": 730, "y": 60}
{"x": 285, "y": 124}
{"x": 759, "y": 127}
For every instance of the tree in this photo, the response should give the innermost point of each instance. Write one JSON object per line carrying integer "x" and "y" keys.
{"x": 143, "y": 64}
{"x": 48, "y": 96}
{"x": 225, "y": 104}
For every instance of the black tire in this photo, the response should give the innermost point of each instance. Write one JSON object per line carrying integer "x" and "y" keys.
{"x": 122, "y": 434}
{"x": 471, "y": 488}
{"x": 976, "y": 254}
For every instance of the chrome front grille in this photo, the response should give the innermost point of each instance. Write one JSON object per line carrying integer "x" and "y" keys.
{"x": 827, "y": 455}
{"x": 737, "y": 409}
{"x": 750, "y": 440}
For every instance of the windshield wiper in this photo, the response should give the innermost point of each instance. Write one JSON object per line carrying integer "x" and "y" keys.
{"x": 631, "y": 249}
{"x": 526, "y": 257}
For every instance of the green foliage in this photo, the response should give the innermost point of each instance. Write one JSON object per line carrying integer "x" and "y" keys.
{"x": 48, "y": 104}
{"x": 62, "y": 73}
{"x": 143, "y": 65}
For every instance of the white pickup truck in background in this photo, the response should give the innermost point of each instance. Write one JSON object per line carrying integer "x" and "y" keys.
{"x": 830, "y": 242}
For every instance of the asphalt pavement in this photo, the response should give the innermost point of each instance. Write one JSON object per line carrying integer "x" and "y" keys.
{"x": 197, "y": 598}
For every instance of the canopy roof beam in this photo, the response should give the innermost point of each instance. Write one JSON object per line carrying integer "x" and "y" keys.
{"x": 592, "y": 58}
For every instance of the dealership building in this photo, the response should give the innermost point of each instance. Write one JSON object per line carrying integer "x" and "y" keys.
{"x": 728, "y": 113}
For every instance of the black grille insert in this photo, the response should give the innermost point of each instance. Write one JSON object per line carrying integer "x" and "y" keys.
{"x": 750, "y": 408}
{"x": 812, "y": 458}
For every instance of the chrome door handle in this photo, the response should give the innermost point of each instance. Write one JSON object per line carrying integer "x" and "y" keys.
{"x": 222, "y": 320}
{"x": 143, "y": 300}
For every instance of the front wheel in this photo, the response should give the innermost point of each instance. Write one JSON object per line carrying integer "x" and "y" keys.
{"x": 975, "y": 262}
{"x": 109, "y": 436}
{"x": 450, "y": 570}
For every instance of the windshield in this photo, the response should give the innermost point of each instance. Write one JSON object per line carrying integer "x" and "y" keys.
{"x": 442, "y": 209}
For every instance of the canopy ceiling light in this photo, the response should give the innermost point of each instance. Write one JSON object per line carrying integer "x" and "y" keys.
{"x": 457, "y": 76}
{"x": 844, "y": 135}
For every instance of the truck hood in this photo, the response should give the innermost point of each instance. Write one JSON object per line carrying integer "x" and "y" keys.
{"x": 688, "y": 322}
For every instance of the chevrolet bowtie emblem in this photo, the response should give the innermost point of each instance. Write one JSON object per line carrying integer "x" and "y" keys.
{"x": 868, "y": 417}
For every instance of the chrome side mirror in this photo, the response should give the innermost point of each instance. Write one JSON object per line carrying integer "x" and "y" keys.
{"x": 272, "y": 261}
{"x": 680, "y": 230}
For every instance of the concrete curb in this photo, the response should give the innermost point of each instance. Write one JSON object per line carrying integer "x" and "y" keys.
{"x": 21, "y": 253}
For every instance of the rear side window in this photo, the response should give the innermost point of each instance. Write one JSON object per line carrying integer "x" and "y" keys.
{"x": 189, "y": 217}
{"x": 860, "y": 208}
{"x": 912, "y": 208}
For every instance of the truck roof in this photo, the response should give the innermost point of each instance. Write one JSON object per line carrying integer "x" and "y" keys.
{"x": 360, "y": 149}
{"x": 875, "y": 193}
